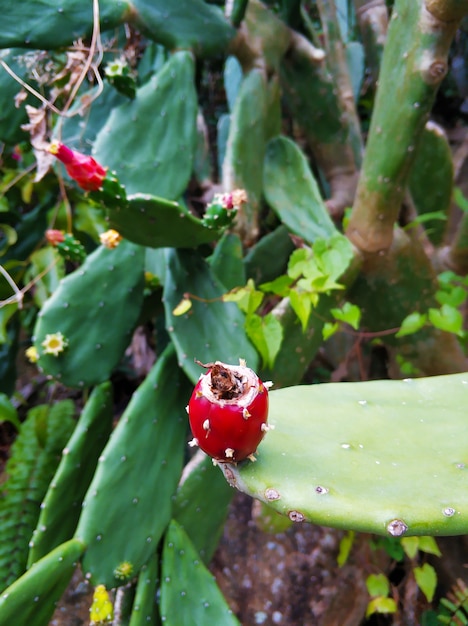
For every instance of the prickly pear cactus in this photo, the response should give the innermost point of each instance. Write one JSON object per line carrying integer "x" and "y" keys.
{"x": 387, "y": 457}
{"x": 189, "y": 593}
{"x": 61, "y": 506}
{"x": 31, "y": 600}
{"x": 151, "y": 140}
{"x": 81, "y": 334}
{"x": 137, "y": 475}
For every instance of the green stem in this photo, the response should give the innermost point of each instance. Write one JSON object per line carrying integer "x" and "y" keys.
{"x": 414, "y": 65}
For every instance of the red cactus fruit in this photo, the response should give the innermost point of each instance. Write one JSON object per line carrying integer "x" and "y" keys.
{"x": 228, "y": 412}
{"x": 87, "y": 172}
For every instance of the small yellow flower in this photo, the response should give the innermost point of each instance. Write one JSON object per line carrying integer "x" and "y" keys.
{"x": 32, "y": 354}
{"x": 101, "y": 611}
{"x": 111, "y": 238}
{"x": 54, "y": 343}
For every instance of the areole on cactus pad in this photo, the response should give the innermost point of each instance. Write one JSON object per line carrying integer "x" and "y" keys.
{"x": 228, "y": 412}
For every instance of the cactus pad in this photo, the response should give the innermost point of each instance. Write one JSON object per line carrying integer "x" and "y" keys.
{"x": 293, "y": 193}
{"x": 156, "y": 222}
{"x": 151, "y": 141}
{"x": 189, "y": 593}
{"x": 128, "y": 504}
{"x": 387, "y": 457}
{"x": 95, "y": 308}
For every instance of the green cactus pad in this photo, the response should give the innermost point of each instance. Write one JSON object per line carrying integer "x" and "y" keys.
{"x": 431, "y": 180}
{"x": 387, "y": 457}
{"x": 31, "y": 600}
{"x": 13, "y": 117}
{"x": 144, "y": 610}
{"x": 227, "y": 263}
{"x": 292, "y": 192}
{"x": 192, "y": 24}
{"x": 95, "y": 308}
{"x": 30, "y": 468}
{"x": 151, "y": 141}
{"x": 128, "y": 504}
{"x": 201, "y": 503}
{"x": 245, "y": 150}
{"x": 156, "y": 222}
{"x": 211, "y": 329}
{"x": 47, "y": 26}
{"x": 298, "y": 347}
{"x": 61, "y": 507}
{"x": 189, "y": 593}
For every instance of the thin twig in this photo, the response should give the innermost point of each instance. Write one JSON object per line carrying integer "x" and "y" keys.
{"x": 28, "y": 87}
{"x": 18, "y": 297}
{"x": 20, "y": 293}
{"x": 95, "y": 44}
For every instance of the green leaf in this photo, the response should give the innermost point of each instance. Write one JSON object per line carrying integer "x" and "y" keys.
{"x": 410, "y": 546}
{"x": 266, "y": 333}
{"x": 297, "y": 261}
{"x": 349, "y": 313}
{"x": 426, "y": 217}
{"x": 280, "y": 286}
{"x": 6, "y": 313}
{"x": 377, "y": 585}
{"x": 302, "y": 304}
{"x": 248, "y": 298}
{"x": 381, "y": 605}
{"x": 454, "y": 296}
{"x": 345, "y": 548}
{"x": 460, "y": 199}
{"x": 329, "y": 329}
{"x": 429, "y": 545}
{"x": 411, "y": 324}
{"x": 8, "y": 413}
{"x": 335, "y": 253}
{"x": 426, "y": 578}
{"x": 447, "y": 318}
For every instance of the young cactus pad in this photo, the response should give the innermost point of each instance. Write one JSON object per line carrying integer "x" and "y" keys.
{"x": 387, "y": 457}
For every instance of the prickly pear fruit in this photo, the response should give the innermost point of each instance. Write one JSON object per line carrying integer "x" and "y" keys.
{"x": 68, "y": 247}
{"x": 222, "y": 210}
{"x": 228, "y": 412}
{"x": 85, "y": 170}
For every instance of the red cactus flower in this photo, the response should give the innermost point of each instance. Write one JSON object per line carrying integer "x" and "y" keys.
{"x": 87, "y": 172}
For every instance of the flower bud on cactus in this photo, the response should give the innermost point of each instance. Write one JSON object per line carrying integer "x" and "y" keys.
{"x": 228, "y": 412}
{"x": 69, "y": 248}
{"x": 222, "y": 210}
{"x": 85, "y": 170}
